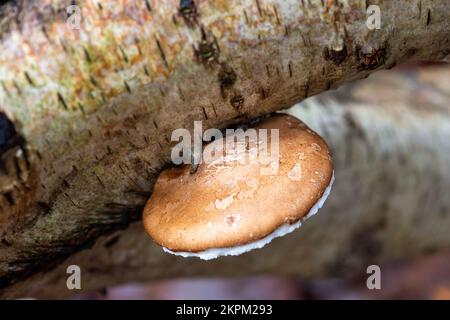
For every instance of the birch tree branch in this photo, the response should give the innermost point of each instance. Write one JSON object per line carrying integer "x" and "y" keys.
{"x": 389, "y": 202}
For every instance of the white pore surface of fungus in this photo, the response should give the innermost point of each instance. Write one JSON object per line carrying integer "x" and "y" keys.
{"x": 284, "y": 229}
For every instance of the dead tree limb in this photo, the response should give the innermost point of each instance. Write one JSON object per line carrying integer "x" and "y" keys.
{"x": 392, "y": 160}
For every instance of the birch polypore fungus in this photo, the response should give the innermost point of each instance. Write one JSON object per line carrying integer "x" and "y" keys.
{"x": 243, "y": 198}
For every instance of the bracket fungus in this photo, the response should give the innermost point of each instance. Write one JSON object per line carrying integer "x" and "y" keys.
{"x": 230, "y": 206}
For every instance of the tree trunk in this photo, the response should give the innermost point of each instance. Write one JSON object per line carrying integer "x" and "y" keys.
{"x": 93, "y": 110}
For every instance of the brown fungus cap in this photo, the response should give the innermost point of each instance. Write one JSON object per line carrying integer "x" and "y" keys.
{"x": 234, "y": 204}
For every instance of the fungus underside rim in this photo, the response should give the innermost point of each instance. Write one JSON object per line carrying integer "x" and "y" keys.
{"x": 282, "y": 230}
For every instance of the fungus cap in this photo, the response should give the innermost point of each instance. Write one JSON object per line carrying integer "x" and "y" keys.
{"x": 228, "y": 207}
